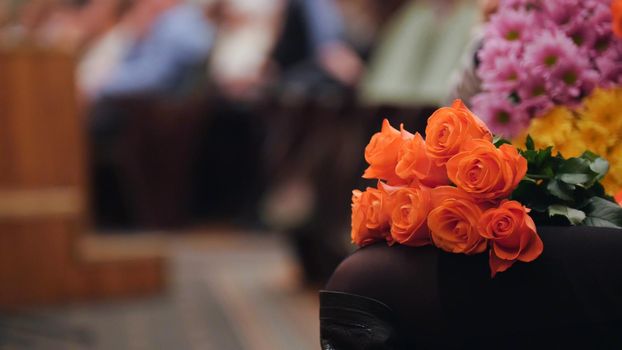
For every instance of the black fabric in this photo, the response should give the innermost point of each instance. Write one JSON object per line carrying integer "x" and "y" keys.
{"x": 570, "y": 297}
{"x": 294, "y": 45}
{"x": 355, "y": 322}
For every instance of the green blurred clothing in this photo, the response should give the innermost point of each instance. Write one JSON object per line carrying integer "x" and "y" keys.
{"x": 418, "y": 53}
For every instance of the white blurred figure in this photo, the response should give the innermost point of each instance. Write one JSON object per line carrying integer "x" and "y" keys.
{"x": 244, "y": 59}
{"x": 111, "y": 40}
{"x": 246, "y": 37}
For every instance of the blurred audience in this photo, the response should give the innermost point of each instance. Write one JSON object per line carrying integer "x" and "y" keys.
{"x": 275, "y": 97}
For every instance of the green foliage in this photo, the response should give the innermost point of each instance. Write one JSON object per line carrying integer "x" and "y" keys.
{"x": 602, "y": 212}
{"x": 498, "y": 141}
{"x": 566, "y": 191}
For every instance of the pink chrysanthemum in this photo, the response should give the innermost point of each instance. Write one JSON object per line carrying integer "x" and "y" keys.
{"x": 582, "y": 35}
{"x": 562, "y": 12}
{"x": 511, "y": 25}
{"x": 506, "y": 76}
{"x": 571, "y": 80}
{"x": 548, "y": 51}
{"x": 533, "y": 93}
{"x": 541, "y": 53}
{"x": 500, "y": 114}
{"x": 609, "y": 65}
{"x": 495, "y": 50}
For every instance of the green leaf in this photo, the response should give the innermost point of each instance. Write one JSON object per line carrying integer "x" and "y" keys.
{"x": 597, "y": 222}
{"x": 589, "y": 155}
{"x": 574, "y": 216}
{"x": 529, "y": 143}
{"x": 548, "y": 172}
{"x": 566, "y": 191}
{"x": 543, "y": 156}
{"x": 575, "y": 165}
{"x": 603, "y": 213}
{"x": 575, "y": 179}
{"x": 499, "y": 140}
{"x": 533, "y": 179}
{"x": 532, "y": 195}
{"x": 584, "y": 171}
{"x": 598, "y": 190}
{"x": 600, "y": 166}
{"x": 560, "y": 190}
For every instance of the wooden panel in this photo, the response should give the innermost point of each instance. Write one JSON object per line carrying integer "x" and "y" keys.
{"x": 43, "y": 191}
{"x": 34, "y": 257}
{"x": 62, "y": 202}
{"x": 40, "y": 264}
{"x": 41, "y": 133}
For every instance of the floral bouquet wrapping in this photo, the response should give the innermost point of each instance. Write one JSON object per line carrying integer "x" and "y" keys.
{"x": 465, "y": 191}
{"x": 553, "y": 69}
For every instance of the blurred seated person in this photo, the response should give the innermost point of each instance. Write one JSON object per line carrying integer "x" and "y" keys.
{"x": 418, "y": 52}
{"x": 314, "y": 43}
{"x": 166, "y": 40}
{"x": 141, "y": 70}
{"x": 67, "y": 25}
{"x": 269, "y": 41}
{"x": 110, "y": 40}
{"x": 246, "y": 35}
{"x": 22, "y": 20}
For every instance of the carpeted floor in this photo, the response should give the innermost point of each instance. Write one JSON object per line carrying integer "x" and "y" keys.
{"x": 227, "y": 292}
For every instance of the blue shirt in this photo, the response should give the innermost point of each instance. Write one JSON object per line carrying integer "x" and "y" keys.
{"x": 324, "y": 22}
{"x": 179, "y": 40}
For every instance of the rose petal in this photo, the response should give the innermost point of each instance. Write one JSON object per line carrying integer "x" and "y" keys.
{"x": 497, "y": 264}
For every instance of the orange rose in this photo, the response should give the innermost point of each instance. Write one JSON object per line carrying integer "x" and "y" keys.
{"x": 449, "y": 129}
{"x": 453, "y": 221}
{"x": 512, "y": 233}
{"x": 414, "y": 164}
{"x": 616, "y": 12}
{"x": 485, "y": 172}
{"x": 370, "y": 219}
{"x": 382, "y": 151}
{"x": 619, "y": 198}
{"x": 409, "y": 210}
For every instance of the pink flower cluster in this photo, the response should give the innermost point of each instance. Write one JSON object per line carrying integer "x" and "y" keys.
{"x": 541, "y": 53}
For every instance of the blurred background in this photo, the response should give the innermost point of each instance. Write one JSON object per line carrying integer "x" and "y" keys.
{"x": 177, "y": 174}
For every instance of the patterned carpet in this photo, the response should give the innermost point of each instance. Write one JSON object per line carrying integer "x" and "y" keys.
{"x": 226, "y": 292}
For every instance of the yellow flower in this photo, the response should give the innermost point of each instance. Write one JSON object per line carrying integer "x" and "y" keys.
{"x": 574, "y": 145}
{"x": 613, "y": 180}
{"x": 594, "y": 136}
{"x": 596, "y": 126}
{"x": 603, "y": 107}
{"x": 552, "y": 129}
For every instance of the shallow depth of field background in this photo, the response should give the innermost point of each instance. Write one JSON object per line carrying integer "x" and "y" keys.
{"x": 177, "y": 174}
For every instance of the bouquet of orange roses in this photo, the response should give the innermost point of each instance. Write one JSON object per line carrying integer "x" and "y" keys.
{"x": 465, "y": 191}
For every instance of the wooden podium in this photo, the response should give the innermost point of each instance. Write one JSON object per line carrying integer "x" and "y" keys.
{"x": 43, "y": 192}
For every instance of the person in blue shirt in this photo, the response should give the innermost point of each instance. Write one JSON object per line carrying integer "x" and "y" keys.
{"x": 171, "y": 39}
{"x": 315, "y": 38}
